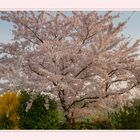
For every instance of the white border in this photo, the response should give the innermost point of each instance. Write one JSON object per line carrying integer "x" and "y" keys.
{"x": 69, "y": 4}
{"x": 70, "y": 9}
{"x": 70, "y": 135}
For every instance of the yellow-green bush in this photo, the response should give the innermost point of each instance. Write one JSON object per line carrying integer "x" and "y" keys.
{"x": 9, "y": 104}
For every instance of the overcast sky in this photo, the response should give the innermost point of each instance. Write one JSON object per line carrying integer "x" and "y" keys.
{"x": 132, "y": 28}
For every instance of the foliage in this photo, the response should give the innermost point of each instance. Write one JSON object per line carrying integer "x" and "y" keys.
{"x": 45, "y": 115}
{"x": 127, "y": 118}
{"x": 5, "y": 123}
{"x": 9, "y": 117}
{"x": 89, "y": 125}
{"x": 38, "y": 117}
{"x": 103, "y": 124}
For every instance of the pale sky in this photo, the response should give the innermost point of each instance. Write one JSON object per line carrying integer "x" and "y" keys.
{"x": 132, "y": 28}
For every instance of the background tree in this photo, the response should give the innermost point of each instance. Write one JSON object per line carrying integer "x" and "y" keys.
{"x": 80, "y": 58}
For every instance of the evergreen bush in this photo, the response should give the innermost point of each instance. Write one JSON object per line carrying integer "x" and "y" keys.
{"x": 38, "y": 117}
{"x": 127, "y": 118}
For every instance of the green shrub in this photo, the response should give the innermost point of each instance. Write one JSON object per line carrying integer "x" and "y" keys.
{"x": 127, "y": 117}
{"x": 65, "y": 126}
{"x": 103, "y": 124}
{"x": 38, "y": 117}
{"x": 89, "y": 124}
{"x": 5, "y": 123}
{"x": 96, "y": 121}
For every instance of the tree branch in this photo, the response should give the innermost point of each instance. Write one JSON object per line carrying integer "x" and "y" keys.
{"x": 84, "y": 68}
{"x": 95, "y": 98}
{"x": 35, "y": 34}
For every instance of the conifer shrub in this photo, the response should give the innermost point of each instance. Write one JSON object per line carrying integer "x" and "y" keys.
{"x": 38, "y": 117}
{"x": 126, "y": 118}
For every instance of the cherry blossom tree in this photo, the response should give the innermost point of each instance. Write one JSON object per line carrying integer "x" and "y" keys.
{"x": 79, "y": 58}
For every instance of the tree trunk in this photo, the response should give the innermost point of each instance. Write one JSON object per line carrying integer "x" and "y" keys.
{"x": 67, "y": 116}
